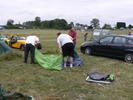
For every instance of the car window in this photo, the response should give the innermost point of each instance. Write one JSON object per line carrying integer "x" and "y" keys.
{"x": 20, "y": 38}
{"x": 106, "y": 40}
{"x": 14, "y": 38}
{"x": 119, "y": 40}
{"x": 130, "y": 41}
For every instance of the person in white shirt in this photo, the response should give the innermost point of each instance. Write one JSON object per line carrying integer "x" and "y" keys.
{"x": 66, "y": 46}
{"x": 31, "y": 41}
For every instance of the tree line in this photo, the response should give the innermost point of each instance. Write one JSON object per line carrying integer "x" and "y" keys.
{"x": 38, "y": 24}
{"x": 62, "y": 24}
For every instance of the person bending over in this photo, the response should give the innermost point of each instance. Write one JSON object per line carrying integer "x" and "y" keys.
{"x": 30, "y": 45}
{"x": 66, "y": 47}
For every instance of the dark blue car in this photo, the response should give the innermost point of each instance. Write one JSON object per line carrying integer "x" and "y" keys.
{"x": 120, "y": 46}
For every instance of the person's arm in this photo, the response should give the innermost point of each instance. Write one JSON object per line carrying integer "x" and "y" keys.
{"x": 75, "y": 35}
{"x": 59, "y": 45}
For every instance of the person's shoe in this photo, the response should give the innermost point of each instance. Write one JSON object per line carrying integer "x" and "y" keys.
{"x": 64, "y": 65}
{"x": 33, "y": 63}
{"x": 71, "y": 65}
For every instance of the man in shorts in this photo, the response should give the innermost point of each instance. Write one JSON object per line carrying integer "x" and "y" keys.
{"x": 66, "y": 46}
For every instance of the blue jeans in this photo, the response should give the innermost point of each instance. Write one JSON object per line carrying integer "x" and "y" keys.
{"x": 75, "y": 52}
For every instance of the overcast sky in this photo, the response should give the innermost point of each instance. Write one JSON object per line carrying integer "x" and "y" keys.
{"x": 78, "y": 11}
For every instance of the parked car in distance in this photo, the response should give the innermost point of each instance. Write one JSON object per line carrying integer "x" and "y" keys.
{"x": 118, "y": 46}
{"x": 16, "y": 42}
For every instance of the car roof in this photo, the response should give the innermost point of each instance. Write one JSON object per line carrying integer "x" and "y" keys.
{"x": 128, "y": 36}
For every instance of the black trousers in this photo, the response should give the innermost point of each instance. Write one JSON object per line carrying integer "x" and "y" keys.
{"x": 29, "y": 48}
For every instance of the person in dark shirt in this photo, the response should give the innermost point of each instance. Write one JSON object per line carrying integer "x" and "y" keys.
{"x": 85, "y": 37}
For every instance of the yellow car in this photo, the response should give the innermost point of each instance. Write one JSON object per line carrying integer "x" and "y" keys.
{"x": 16, "y": 42}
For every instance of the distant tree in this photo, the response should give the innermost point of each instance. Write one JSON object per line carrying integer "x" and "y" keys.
{"x": 47, "y": 24}
{"x": 38, "y": 19}
{"x": 10, "y": 22}
{"x": 130, "y": 26}
{"x": 18, "y": 26}
{"x": 95, "y": 23}
{"x": 107, "y": 26}
{"x": 60, "y": 24}
{"x": 55, "y": 24}
{"x": 120, "y": 25}
{"x": 37, "y": 22}
{"x": 28, "y": 24}
{"x": 90, "y": 27}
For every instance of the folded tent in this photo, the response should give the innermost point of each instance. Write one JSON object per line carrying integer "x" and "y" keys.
{"x": 4, "y": 47}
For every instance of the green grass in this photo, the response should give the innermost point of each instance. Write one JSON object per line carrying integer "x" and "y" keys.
{"x": 68, "y": 84}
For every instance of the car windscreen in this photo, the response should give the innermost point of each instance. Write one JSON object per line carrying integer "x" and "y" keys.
{"x": 21, "y": 38}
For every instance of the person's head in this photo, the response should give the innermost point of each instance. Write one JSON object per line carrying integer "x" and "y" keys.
{"x": 59, "y": 33}
{"x": 38, "y": 46}
{"x": 71, "y": 27}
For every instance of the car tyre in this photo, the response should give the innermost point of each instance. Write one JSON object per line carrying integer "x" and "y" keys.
{"x": 129, "y": 58}
{"x": 88, "y": 51}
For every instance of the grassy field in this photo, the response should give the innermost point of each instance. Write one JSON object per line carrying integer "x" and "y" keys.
{"x": 68, "y": 84}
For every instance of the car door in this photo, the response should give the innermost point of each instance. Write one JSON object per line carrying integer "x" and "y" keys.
{"x": 117, "y": 46}
{"x": 13, "y": 41}
{"x": 102, "y": 46}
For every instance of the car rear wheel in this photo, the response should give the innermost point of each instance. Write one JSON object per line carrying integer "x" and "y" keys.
{"x": 88, "y": 51}
{"x": 129, "y": 58}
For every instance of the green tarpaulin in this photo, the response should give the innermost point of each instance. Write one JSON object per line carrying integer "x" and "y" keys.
{"x": 48, "y": 61}
{"x": 4, "y": 47}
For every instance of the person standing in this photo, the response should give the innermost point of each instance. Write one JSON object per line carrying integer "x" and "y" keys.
{"x": 72, "y": 32}
{"x": 30, "y": 44}
{"x": 129, "y": 33}
{"x": 66, "y": 47}
{"x": 85, "y": 37}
